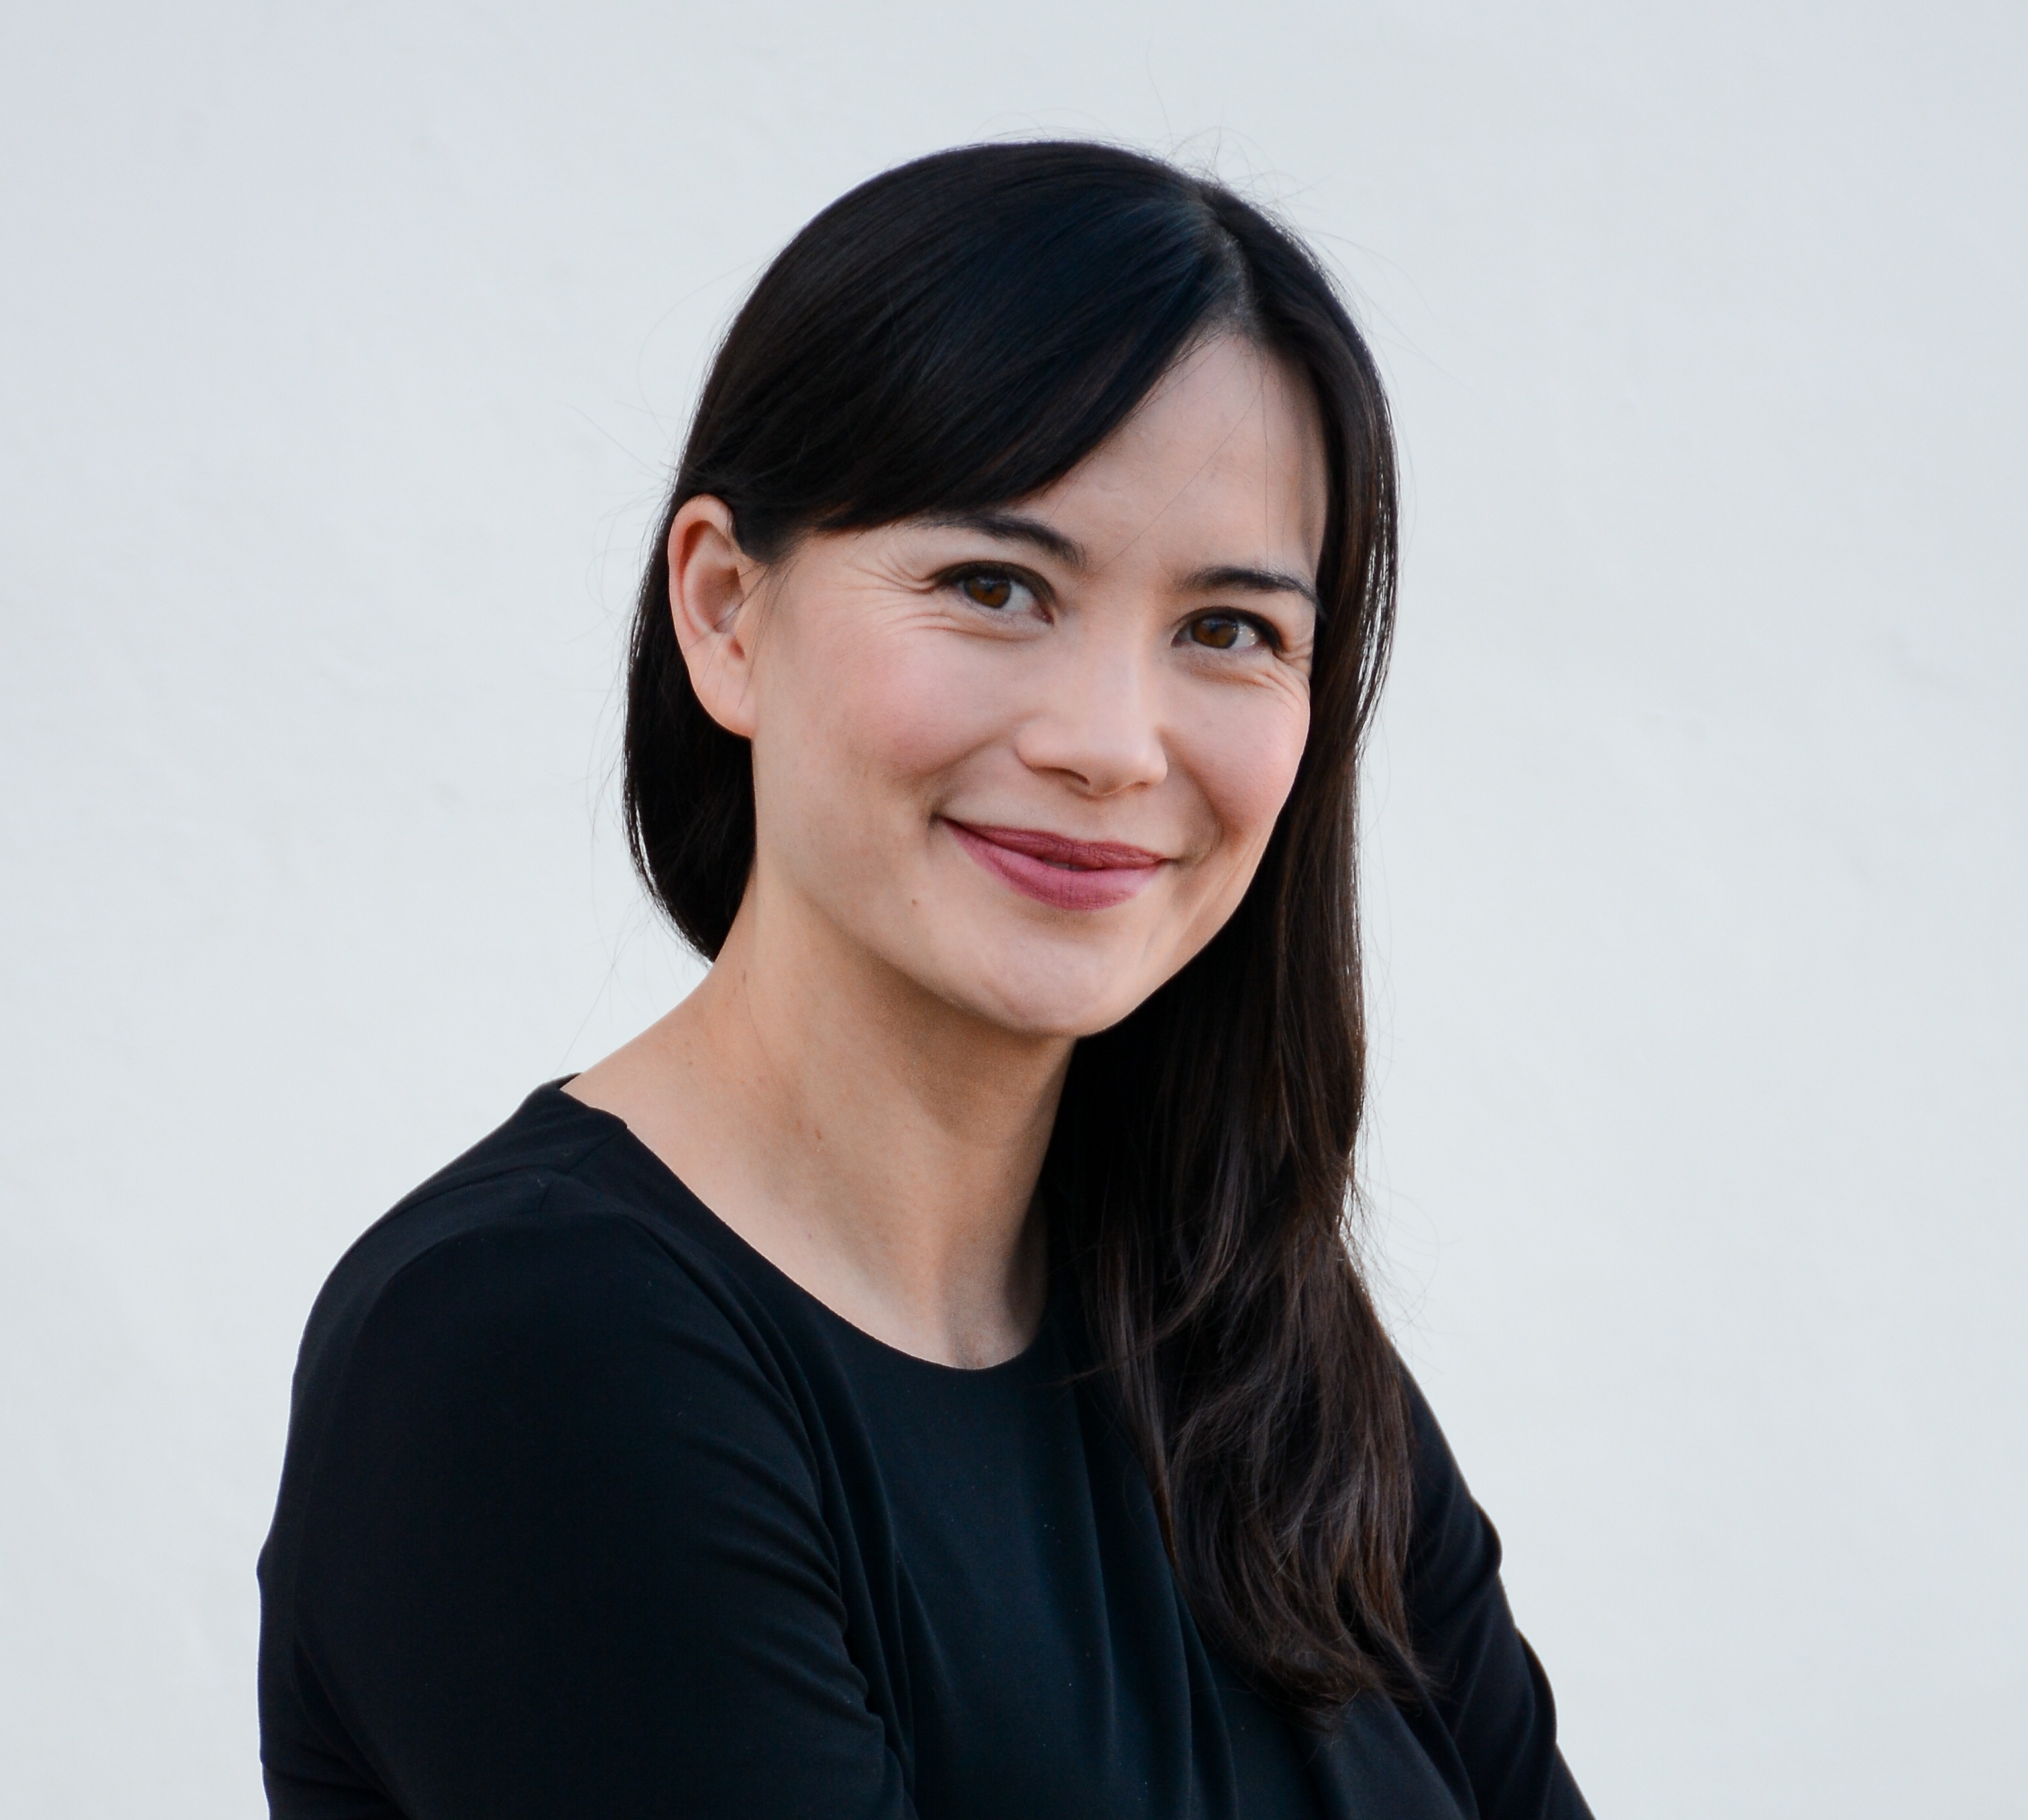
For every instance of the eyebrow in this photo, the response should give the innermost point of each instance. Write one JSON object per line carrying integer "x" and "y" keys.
{"x": 1015, "y": 527}
{"x": 1222, "y": 577}
{"x": 1019, "y": 527}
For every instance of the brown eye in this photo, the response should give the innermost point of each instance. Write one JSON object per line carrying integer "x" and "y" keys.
{"x": 986, "y": 590}
{"x": 1219, "y": 631}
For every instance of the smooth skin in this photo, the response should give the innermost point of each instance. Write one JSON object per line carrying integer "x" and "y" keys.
{"x": 863, "y": 1086}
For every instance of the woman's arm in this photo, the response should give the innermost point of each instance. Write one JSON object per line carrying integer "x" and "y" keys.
{"x": 563, "y": 1553}
{"x": 1483, "y": 1680}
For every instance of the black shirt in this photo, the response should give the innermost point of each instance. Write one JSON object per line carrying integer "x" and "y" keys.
{"x": 588, "y": 1509}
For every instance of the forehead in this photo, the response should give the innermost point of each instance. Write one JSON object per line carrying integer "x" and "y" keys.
{"x": 1223, "y": 462}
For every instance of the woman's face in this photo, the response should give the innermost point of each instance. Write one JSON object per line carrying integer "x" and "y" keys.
{"x": 1028, "y": 759}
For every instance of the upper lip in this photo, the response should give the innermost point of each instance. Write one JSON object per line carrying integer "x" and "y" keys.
{"x": 1060, "y": 850}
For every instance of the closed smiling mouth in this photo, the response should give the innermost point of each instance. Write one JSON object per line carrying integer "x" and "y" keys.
{"x": 1054, "y": 869}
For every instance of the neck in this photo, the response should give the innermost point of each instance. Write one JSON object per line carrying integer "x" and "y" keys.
{"x": 875, "y": 1143}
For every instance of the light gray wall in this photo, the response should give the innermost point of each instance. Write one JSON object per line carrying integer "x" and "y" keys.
{"x": 344, "y": 349}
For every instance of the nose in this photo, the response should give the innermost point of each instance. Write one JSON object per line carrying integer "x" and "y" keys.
{"x": 1096, "y": 725}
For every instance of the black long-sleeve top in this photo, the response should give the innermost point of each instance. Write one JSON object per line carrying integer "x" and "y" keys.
{"x": 588, "y": 1511}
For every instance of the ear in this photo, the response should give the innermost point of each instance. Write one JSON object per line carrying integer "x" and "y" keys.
{"x": 711, "y": 589}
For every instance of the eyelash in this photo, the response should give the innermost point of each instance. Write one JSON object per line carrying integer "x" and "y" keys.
{"x": 986, "y": 572}
{"x": 1264, "y": 629}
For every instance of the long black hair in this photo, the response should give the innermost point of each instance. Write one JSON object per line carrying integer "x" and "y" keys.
{"x": 959, "y": 333}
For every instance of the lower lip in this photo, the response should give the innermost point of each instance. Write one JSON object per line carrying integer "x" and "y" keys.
{"x": 1061, "y": 887}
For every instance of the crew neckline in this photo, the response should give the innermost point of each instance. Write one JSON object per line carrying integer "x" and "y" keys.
{"x": 744, "y": 1255}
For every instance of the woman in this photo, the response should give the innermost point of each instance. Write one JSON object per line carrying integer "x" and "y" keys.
{"x": 926, "y": 1373}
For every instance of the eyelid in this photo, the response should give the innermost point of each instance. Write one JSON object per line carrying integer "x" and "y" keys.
{"x": 1013, "y": 570}
{"x": 1269, "y": 634}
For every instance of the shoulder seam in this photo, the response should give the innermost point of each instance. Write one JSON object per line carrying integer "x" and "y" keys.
{"x": 452, "y": 1179}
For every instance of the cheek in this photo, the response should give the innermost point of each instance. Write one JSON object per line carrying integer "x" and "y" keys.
{"x": 886, "y": 710}
{"x": 922, "y": 706}
{"x": 1244, "y": 759}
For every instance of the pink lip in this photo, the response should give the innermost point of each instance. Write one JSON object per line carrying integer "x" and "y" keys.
{"x": 1055, "y": 870}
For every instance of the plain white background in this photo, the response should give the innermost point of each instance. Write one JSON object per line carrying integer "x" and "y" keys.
{"x": 345, "y": 350}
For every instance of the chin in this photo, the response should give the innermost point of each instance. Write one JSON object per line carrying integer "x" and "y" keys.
{"x": 1051, "y": 997}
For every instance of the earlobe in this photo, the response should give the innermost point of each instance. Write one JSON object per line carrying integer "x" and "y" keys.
{"x": 711, "y": 581}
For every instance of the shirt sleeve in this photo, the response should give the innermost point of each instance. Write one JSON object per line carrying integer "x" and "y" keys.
{"x": 565, "y": 1553}
{"x": 1487, "y": 1688}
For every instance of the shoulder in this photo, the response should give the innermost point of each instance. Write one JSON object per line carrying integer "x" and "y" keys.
{"x": 548, "y": 1256}
{"x": 546, "y": 1154}
{"x": 545, "y": 1437}
{"x": 1454, "y": 1551}
{"x": 1483, "y": 1682}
